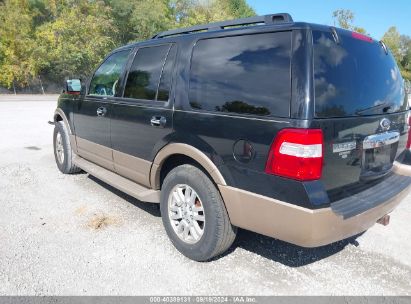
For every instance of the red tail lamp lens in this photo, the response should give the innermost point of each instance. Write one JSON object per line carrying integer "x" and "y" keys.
{"x": 297, "y": 154}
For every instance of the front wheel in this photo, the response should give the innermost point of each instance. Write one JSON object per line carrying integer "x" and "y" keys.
{"x": 194, "y": 214}
{"x": 63, "y": 153}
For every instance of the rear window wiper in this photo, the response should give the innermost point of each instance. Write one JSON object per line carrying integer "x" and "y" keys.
{"x": 386, "y": 106}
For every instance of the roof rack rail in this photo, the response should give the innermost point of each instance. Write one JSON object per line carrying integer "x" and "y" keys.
{"x": 266, "y": 19}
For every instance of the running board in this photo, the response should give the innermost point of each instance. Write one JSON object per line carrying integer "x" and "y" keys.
{"x": 123, "y": 184}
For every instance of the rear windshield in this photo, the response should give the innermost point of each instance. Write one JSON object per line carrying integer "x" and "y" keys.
{"x": 355, "y": 77}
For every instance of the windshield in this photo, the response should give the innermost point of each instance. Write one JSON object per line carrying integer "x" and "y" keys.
{"x": 355, "y": 77}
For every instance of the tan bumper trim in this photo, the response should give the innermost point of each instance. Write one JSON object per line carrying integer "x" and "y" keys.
{"x": 402, "y": 169}
{"x": 295, "y": 224}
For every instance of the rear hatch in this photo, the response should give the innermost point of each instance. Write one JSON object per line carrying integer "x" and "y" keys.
{"x": 361, "y": 106}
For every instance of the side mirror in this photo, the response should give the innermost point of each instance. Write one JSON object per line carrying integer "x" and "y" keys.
{"x": 73, "y": 86}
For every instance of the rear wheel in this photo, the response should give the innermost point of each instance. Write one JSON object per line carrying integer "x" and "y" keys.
{"x": 194, "y": 214}
{"x": 63, "y": 153}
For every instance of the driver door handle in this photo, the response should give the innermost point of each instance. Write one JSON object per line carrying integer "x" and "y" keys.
{"x": 158, "y": 121}
{"x": 101, "y": 111}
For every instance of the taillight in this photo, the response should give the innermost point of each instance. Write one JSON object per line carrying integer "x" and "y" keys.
{"x": 297, "y": 154}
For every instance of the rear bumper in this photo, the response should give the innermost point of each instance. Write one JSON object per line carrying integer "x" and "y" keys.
{"x": 302, "y": 226}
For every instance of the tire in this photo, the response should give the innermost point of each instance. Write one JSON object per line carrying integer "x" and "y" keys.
{"x": 217, "y": 232}
{"x": 63, "y": 153}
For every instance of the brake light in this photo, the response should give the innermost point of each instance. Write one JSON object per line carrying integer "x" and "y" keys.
{"x": 362, "y": 37}
{"x": 297, "y": 154}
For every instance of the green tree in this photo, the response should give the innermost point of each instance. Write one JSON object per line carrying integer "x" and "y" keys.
{"x": 16, "y": 44}
{"x": 75, "y": 41}
{"x": 392, "y": 39}
{"x": 240, "y": 9}
{"x": 345, "y": 19}
{"x": 199, "y": 12}
{"x": 405, "y": 49}
{"x": 139, "y": 20}
{"x": 400, "y": 47}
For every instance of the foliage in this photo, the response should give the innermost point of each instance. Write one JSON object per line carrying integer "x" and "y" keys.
{"x": 400, "y": 47}
{"x": 199, "y": 12}
{"x": 392, "y": 39}
{"x": 16, "y": 43}
{"x": 54, "y": 39}
{"x": 345, "y": 19}
{"x": 75, "y": 40}
{"x": 139, "y": 20}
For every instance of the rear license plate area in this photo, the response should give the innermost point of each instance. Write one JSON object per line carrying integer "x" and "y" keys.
{"x": 379, "y": 159}
{"x": 379, "y": 152}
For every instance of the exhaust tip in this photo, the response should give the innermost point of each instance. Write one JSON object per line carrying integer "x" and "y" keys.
{"x": 385, "y": 220}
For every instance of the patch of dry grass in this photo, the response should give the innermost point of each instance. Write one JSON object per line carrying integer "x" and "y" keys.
{"x": 101, "y": 221}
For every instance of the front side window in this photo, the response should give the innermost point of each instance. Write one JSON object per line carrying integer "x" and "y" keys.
{"x": 247, "y": 74}
{"x": 105, "y": 79}
{"x": 144, "y": 76}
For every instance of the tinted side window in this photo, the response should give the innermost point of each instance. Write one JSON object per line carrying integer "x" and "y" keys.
{"x": 144, "y": 76}
{"x": 243, "y": 74}
{"x": 105, "y": 79}
{"x": 165, "y": 82}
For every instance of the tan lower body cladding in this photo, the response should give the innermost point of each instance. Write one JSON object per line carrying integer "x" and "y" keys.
{"x": 133, "y": 168}
{"x": 298, "y": 225}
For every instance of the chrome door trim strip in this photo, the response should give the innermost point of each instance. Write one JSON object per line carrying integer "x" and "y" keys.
{"x": 232, "y": 116}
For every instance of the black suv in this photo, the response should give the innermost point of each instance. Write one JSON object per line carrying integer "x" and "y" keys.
{"x": 293, "y": 130}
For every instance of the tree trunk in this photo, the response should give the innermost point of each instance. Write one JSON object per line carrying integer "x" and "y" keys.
{"x": 41, "y": 85}
{"x": 14, "y": 88}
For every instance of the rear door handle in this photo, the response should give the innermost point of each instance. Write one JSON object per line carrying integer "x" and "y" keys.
{"x": 101, "y": 111}
{"x": 158, "y": 121}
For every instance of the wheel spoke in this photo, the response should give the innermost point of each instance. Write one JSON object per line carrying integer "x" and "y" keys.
{"x": 180, "y": 227}
{"x": 186, "y": 230}
{"x": 177, "y": 199}
{"x": 174, "y": 208}
{"x": 192, "y": 198}
{"x": 180, "y": 195}
{"x": 197, "y": 228}
{"x": 176, "y": 216}
{"x": 194, "y": 233}
{"x": 199, "y": 217}
{"x": 187, "y": 194}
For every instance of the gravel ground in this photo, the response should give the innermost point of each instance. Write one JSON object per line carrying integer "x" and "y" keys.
{"x": 74, "y": 235}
